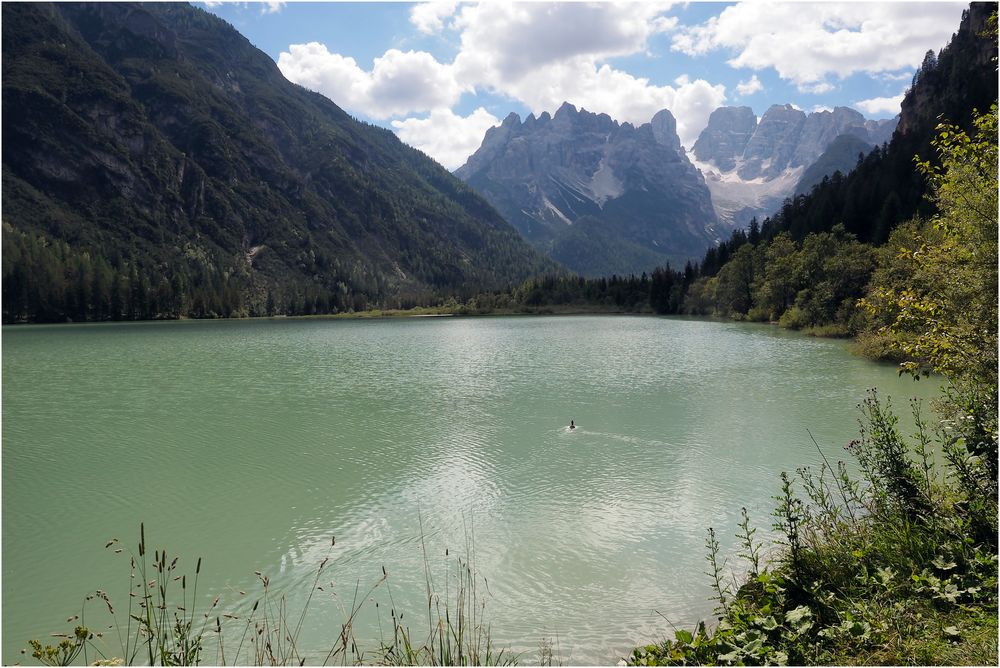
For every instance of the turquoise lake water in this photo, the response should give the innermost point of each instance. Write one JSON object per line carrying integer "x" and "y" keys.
{"x": 251, "y": 443}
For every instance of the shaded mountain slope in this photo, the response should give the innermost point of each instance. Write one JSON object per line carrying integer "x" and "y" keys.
{"x": 156, "y": 141}
{"x": 842, "y": 155}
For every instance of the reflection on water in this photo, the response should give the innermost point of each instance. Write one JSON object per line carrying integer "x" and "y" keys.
{"x": 252, "y": 443}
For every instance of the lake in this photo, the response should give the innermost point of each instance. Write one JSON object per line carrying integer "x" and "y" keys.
{"x": 251, "y": 443}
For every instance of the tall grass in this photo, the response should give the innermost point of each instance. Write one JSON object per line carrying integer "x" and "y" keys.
{"x": 162, "y": 624}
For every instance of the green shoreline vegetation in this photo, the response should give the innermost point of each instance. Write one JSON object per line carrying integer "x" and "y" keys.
{"x": 895, "y": 566}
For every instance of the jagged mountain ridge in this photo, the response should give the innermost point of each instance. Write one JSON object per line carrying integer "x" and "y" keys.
{"x": 751, "y": 166}
{"x": 547, "y": 173}
{"x": 155, "y": 139}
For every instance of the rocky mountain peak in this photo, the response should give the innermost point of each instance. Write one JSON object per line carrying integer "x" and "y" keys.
{"x": 880, "y": 131}
{"x": 821, "y": 128}
{"x": 565, "y": 110}
{"x": 773, "y": 142}
{"x": 664, "y": 127}
{"x": 726, "y": 136}
{"x": 640, "y": 200}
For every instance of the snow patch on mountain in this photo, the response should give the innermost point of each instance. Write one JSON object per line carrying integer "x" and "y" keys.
{"x": 750, "y": 167}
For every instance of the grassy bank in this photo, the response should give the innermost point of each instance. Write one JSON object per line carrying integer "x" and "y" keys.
{"x": 473, "y": 310}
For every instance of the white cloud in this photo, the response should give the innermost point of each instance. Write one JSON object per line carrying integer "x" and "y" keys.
{"x": 271, "y": 7}
{"x": 547, "y": 54}
{"x": 445, "y": 136}
{"x": 400, "y": 82}
{"x": 817, "y": 88}
{"x": 212, "y": 4}
{"x": 750, "y": 87}
{"x": 622, "y": 96}
{"x": 501, "y": 43}
{"x": 880, "y": 105}
{"x": 429, "y": 17}
{"x": 821, "y": 107}
{"x": 807, "y": 42}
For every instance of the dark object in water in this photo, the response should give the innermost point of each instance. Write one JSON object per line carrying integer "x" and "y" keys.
{"x": 572, "y": 425}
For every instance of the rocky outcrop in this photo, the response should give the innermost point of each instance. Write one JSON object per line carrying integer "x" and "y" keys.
{"x": 726, "y": 136}
{"x": 635, "y": 184}
{"x": 952, "y": 93}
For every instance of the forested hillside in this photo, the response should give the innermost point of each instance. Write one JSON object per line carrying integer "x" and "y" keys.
{"x": 157, "y": 165}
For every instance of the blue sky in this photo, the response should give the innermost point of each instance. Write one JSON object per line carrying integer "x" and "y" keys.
{"x": 440, "y": 73}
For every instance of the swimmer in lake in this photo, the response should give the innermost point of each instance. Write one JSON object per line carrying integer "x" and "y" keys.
{"x": 572, "y": 425}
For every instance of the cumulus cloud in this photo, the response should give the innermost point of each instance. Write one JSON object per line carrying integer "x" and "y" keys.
{"x": 880, "y": 105}
{"x": 400, "y": 82}
{"x": 898, "y": 76}
{"x": 271, "y": 7}
{"x": 750, "y": 87}
{"x": 547, "y": 54}
{"x": 429, "y": 17}
{"x": 447, "y": 137}
{"x": 808, "y": 42}
{"x": 504, "y": 42}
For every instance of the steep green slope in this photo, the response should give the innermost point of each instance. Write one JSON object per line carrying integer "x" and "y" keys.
{"x": 182, "y": 170}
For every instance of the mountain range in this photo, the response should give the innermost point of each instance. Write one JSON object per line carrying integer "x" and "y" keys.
{"x": 886, "y": 188}
{"x": 604, "y": 197}
{"x": 156, "y": 164}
